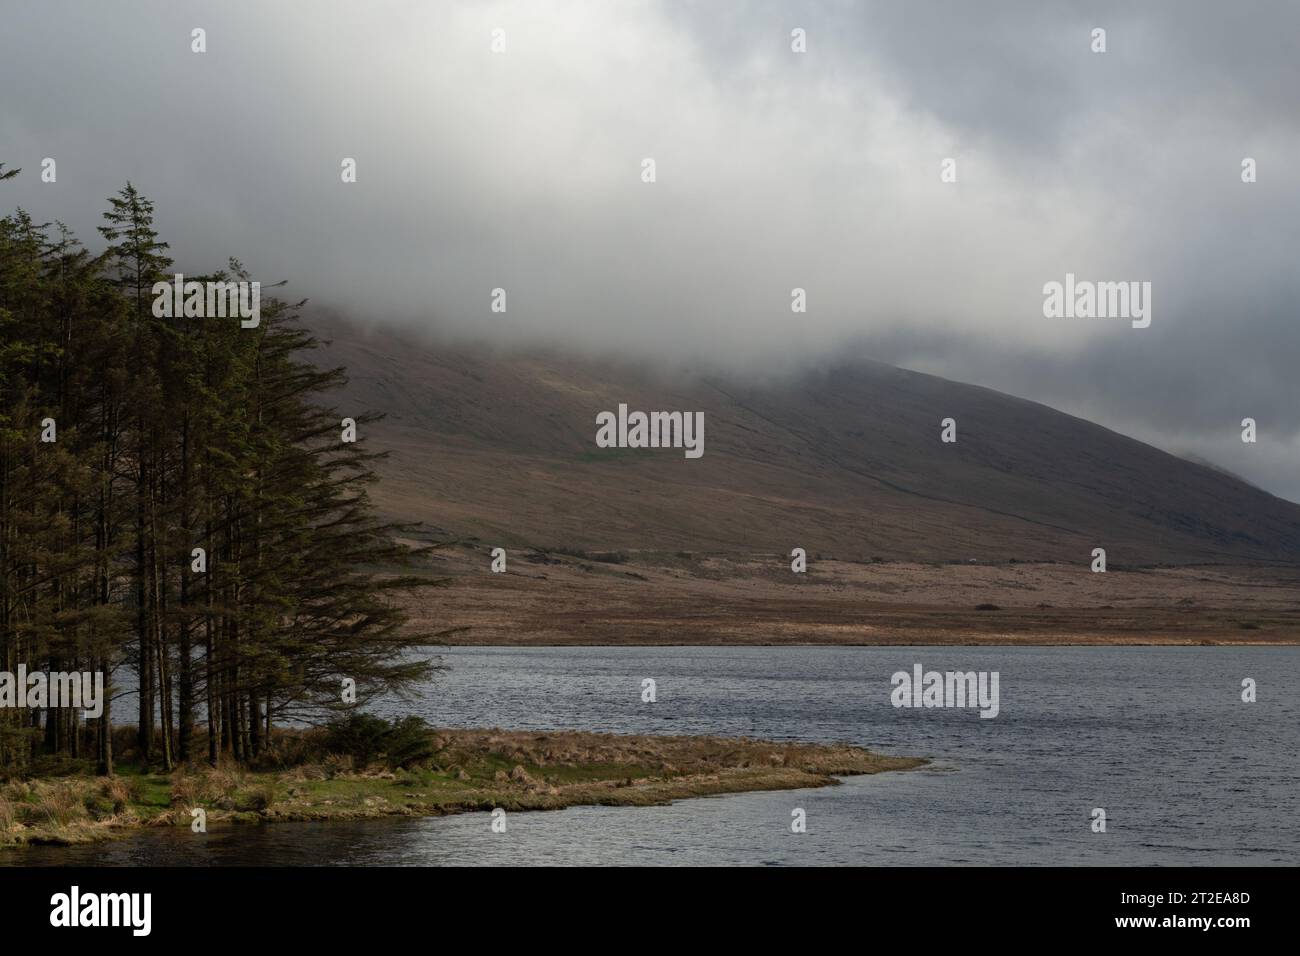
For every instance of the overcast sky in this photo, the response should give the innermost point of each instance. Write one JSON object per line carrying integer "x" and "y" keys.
{"x": 821, "y": 170}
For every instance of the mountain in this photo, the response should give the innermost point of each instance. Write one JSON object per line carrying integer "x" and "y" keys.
{"x": 844, "y": 460}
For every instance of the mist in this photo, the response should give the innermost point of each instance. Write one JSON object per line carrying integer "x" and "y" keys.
{"x": 522, "y": 170}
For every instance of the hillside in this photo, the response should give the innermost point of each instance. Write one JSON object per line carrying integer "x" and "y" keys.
{"x": 844, "y": 461}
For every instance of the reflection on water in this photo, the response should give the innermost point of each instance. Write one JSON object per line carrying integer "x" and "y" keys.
{"x": 1159, "y": 737}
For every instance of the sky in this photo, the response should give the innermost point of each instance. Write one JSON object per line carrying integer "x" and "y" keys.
{"x": 522, "y": 169}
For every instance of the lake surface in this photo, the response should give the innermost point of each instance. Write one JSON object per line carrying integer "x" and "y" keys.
{"x": 1159, "y": 737}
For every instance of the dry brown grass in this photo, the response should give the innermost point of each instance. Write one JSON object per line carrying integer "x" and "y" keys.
{"x": 119, "y": 791}
{"x": 666, "y": 756}
{"x": 754, "y": 599}
{"x": 16, "y": 790}
{"x": 61, "y": 804}
{"x": 191, "y": 786}
{"x": 258, "y": 798}
{"x": 186, "y": 789}
{"x": 218, "y": 783}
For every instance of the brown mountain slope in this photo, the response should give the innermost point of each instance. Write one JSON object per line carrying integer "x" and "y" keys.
{"x": 845, "y": 461}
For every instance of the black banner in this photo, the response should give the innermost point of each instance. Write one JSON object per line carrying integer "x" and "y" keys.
{"x": 335, "y": 905}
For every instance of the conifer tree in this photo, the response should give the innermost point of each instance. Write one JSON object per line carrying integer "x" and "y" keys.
{"x": 174, "y": 435}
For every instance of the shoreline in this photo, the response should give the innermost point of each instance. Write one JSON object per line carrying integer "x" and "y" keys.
{"x": 477, "y": 770}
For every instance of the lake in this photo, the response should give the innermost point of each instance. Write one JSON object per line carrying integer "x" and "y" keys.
{"x": 1157, "y": 736}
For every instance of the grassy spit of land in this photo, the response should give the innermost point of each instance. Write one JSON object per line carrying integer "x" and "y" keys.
{"x": 473, "y": 770}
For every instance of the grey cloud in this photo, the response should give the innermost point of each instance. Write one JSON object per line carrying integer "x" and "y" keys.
{"x": 775, "y": 171}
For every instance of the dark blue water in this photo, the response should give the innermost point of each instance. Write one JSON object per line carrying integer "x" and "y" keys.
{"x": 1159, "y": 737}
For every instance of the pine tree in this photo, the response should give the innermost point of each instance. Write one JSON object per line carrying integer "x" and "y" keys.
{"x": 140, "y": 261}
{"x": 172, "y": 435}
